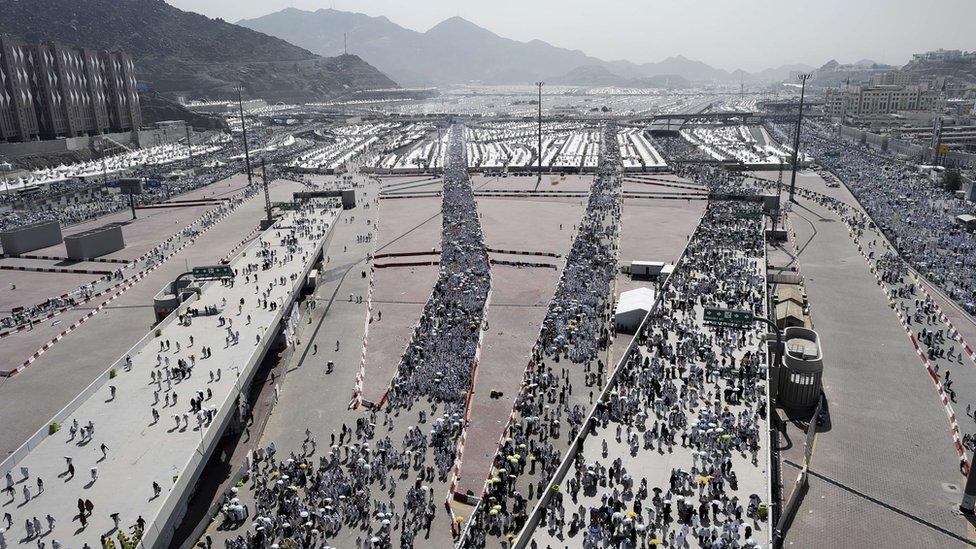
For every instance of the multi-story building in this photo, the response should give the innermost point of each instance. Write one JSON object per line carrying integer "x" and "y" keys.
{"x": 855, "y": 102}
{"x": 895, "y": 78}
{"x": 51, "y": 91}
{"x": 18, "y": 119}
{"x": 945, "y": 56}
{"x": 121, "y": 93}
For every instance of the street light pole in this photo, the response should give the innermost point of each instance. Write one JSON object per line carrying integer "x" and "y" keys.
{"x": 267, "y": 197}
{"x": 132, "y": 202}
{"x": 247, "y": 155}
{"x": 796, "y": 139}
{"x": 189, "y": 147}
{"x": 539, "y": 180}
{"x": 779, "y": 193}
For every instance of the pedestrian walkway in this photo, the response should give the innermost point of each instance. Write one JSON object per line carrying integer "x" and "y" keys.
{"x": 678, "y": 453}
{"x": 157, "y": 415}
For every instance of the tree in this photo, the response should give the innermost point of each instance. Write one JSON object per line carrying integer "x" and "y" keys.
{"x": 952, "y": 181}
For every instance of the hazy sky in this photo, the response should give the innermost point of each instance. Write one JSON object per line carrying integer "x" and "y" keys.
{"x": 728, "y": 34}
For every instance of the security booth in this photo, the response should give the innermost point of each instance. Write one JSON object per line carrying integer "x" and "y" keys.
{"x": 801, "y": 374}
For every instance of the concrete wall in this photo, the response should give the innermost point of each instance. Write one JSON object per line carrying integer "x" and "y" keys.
{"x": 94, "y": 243}
{"x": 903, "y": 147}
{"x": 139, "y": 138}
{"x": 30, "y": 238}
{"x": 56, "y": 146}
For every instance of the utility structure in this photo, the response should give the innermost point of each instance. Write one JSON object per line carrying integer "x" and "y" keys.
{"x": 189, "y": 146}
{"x": 247, "y": 155}
{"x": 779, "y": 193}
{"x": 131, "y": 186}
{"x": 796, "y": 138}
{"x": 937, "y": 141}
{"x": 267, "y": 197}
{"x": 539, "y": 180}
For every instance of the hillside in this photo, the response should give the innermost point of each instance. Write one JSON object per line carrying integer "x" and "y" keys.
{"x": 183, "y": 53}
{"x": 962, "y": 70}
{"x": 157, "y": 108}
{"x": 459, "y": 51}
{"x": 596, "y": 75}
{"x": 453, "y": 51}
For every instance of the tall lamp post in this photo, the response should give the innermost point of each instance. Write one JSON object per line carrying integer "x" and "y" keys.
{"x": 247, "y": 155}
{"x": 267, "y": 197}
{"x": 796, "y": 138}
{"x": 539, "y": 180}
{"x": 189, "y": 146}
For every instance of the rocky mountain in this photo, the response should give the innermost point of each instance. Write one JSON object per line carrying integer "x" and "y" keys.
{"x": 453, "y": 51}
{"x": 458, "y": 51}
{"x": 833, "y": 73}
{"x": 184, "y": 53}
{"x": 589, "y": 75}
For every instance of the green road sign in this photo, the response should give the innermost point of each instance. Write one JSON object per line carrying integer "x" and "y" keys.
{"x": 747, "y": 214}
{"x": 213, "y": 271}
{"x": 728, "y": 317}
{"x": 288, "y": 205}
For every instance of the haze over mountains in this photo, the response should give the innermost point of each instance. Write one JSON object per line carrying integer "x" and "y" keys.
{"x": 184, "y": 53}
{"x": 457, "y": 51}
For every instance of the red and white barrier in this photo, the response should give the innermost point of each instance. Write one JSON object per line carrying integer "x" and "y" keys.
{"x": 125, "y": 285}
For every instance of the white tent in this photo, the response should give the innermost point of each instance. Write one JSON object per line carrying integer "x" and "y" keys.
{"x": 632, "y": 307}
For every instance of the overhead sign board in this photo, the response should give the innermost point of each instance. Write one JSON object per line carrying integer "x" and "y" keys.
{"x": 728, "y": 317}
{"x": 748, "y": 214}
{"x": 131, "y": 185}
{"x": 213, "y": 271}
{"x": 289, "y": 205}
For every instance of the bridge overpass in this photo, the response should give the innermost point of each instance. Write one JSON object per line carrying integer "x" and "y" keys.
{"x": 674, "y": 122}
{"x": 173, "y": 450}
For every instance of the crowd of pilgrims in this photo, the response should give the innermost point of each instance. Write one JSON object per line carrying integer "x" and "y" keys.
{"x": 574, "y": 331}
{"x": 575, "y": 326}
{"x": 437, "y": 363}
{"x": 915, "y": 214}
{"x": 77, "y": 200}
{"x": 677, "y": 149}
{"x": 376, "y": 489}
{"x": 687, "y": 390}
